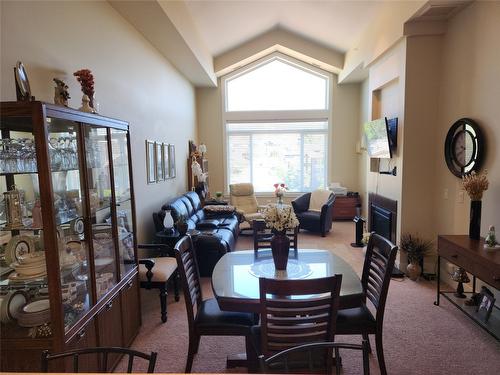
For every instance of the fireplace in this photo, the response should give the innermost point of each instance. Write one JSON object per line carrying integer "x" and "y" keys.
{"x": 382, "y": 219}
{"x": 382, "y": 216}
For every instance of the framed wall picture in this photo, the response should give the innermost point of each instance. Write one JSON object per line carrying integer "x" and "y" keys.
{"x": 159, "y": 162}
{"x": 166, "y": 164}
{"x": 150, "y": 162}
{"x": 171, "y": 160}
{"x": 486, "y": 303}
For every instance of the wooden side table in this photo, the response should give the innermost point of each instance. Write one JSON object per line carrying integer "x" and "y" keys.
{"x": 344, "y": 207}
{"x": 484, "y": 265}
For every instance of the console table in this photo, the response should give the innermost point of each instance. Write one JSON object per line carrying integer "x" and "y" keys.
{"x": 484, "y": 265}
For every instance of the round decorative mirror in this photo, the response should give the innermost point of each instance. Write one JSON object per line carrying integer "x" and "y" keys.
{"x": 464, "y": 147}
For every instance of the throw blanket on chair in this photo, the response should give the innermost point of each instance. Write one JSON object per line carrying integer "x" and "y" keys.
{"x": 318, "y": 199}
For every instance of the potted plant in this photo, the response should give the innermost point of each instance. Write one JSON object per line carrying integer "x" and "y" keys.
{"x": 416, "y": 248}
{"x": 218, "y": 195}
{"x": 182, "y": 225}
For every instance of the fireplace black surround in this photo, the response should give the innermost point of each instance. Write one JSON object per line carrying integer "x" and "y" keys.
{"x": 382, "y": 219}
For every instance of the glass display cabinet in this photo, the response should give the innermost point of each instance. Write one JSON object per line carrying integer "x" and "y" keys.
{"x": 68, "y": 257}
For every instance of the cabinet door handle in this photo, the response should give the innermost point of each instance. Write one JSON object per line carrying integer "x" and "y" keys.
{"x": 496, "y": 278}
{"x": 109, "y": 305}
{"x": 81, "y": 334}
{"x": 454, "y": 256}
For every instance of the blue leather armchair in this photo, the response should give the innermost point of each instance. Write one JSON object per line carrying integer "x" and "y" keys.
{"x": 314, "y": 221}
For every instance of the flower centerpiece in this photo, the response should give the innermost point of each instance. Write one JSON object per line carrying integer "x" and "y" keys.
{"x": 475, "y": 184}
{"x": 280, "y": 218}
{"x": 279, "y": 191}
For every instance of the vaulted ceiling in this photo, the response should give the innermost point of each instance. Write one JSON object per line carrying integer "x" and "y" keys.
{"x": 224, "y": 25}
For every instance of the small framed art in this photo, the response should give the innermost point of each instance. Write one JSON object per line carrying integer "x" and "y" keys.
{"x": 159, "y": 162}
{"x": 486, "y": 303}
{"x": 166, "y": 164}
{"x": 171, "y": 160}
{"x": 150, "y": 162}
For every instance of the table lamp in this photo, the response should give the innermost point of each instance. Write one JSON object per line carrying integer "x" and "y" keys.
{"x": 168, "y": 221}
{"x": 461, "y": 277}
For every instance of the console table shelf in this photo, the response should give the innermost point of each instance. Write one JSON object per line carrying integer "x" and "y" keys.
{"x": 484, "y": 265}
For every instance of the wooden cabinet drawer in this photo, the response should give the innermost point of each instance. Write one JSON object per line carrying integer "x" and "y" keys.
{"x": 455, "y": 257}
{"x": 85, "y": 338}
{"x": 131, "y": 312}
{"x": 344, "y": 208}
{"x": 110, "y": 328}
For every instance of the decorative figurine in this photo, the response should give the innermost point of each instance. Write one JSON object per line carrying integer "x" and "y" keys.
{"x": 491, "y": 239}
{"x": 461, "y": 277}
{"x": 86, "y": 107}
{"x": 61, "y": 94}
{"x": 13, "y": 209}
{"x": 86, "y": 79}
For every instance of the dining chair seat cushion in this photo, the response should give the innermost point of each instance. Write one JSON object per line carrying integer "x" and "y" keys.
{"x": 355, "y": 320}
{"x": 212, "y": 319}
{"x": 164, "y": 268}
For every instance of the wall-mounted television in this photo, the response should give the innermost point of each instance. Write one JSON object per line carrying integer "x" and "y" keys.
{"x": 381, "y": 135}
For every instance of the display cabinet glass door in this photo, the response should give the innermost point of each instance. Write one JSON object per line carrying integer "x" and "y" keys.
{"x": 23, "y": 269}
{"x": 124, "y": 219}
{"x": 69, "y": 208}
{"x": 99, "y": 186}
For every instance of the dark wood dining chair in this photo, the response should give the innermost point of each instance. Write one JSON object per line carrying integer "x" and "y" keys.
{"x": 377, "y": 270}
{"x": 103, "y": 353}
{"x": 157, "y": 272}
{"x": 286, "y": 360}
{"x": 296, "y": 312}
{"x": 262, "y": 236}
{"x": 204, "y": 316}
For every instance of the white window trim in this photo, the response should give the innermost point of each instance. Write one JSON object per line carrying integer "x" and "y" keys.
{"x": 269, "y": 115}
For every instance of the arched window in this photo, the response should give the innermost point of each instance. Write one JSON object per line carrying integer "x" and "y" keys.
{"x": 277, "y": 117}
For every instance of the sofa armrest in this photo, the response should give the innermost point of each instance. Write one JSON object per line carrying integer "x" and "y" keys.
{"x": 301, "y": 203}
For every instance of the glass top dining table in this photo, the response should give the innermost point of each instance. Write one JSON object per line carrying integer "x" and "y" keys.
{"x": 235, "y": 278}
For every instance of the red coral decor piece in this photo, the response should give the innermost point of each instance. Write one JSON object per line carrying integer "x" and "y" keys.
{"x": 86, "y": 79}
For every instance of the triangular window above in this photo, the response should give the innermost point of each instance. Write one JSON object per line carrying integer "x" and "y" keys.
{"x": 277, "y": 85}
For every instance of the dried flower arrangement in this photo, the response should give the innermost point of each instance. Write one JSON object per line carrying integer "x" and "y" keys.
{"x": 475, "y": 184}
{"x": 280, "y": 218}
{"x": 86, "y": 79}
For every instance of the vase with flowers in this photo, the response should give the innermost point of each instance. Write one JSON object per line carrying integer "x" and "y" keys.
{"x": 280, "y": 218}
{"x": 475, "y": 184}
{"x": 279, "y": 192}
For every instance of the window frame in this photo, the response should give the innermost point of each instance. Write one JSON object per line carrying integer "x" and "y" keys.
{"x": 277, "y": 115}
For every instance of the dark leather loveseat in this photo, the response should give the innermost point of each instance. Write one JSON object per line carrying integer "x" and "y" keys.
{"x": 219, "y": 232}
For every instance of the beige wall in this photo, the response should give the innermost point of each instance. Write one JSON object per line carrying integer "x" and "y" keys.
{"x": 345, "y": 119}
{"x": 133, "y": 81}
{"x": 383, "y": 96}
{"x": 470, "y": 88}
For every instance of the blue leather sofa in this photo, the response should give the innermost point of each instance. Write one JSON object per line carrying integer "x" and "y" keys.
{"x": 218, "y": 232}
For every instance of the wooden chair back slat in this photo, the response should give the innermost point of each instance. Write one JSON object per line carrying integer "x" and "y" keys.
{"x": 185, "y": 254}
{"x": 297, "y": 311}
{"x": 377, "y": 271}
{"x": 262, "y": 236}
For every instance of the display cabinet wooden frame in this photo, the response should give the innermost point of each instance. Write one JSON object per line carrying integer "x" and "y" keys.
{"x": 83, "y": 180}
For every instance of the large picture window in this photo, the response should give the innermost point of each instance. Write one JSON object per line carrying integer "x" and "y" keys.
{"x": 277, "y": 116}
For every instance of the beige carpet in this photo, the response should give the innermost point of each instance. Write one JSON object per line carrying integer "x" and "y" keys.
{"x": 419, "y": 338}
